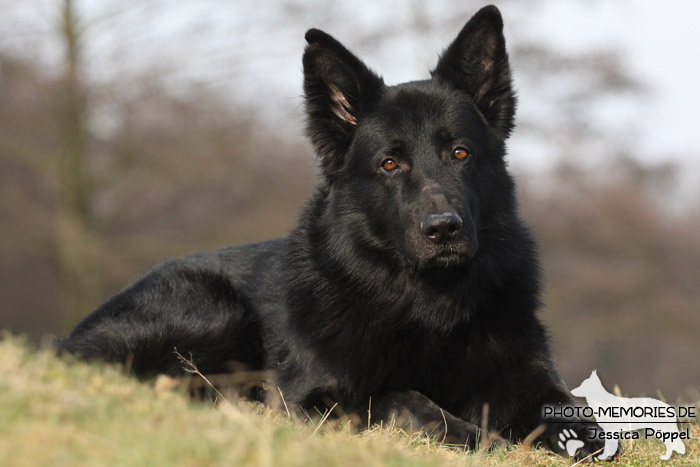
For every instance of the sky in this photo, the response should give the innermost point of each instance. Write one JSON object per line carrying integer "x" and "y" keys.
{"x": 659, "y": 42}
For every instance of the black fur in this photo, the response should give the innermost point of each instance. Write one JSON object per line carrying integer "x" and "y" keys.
{"x": 415, "y": 286}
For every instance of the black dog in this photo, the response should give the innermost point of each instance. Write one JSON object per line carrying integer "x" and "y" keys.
{"x": 410, "y": 279}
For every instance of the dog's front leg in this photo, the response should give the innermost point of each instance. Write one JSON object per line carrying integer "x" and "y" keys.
{"x": 412, "y": 411}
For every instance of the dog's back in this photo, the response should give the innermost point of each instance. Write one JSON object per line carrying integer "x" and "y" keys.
{"x": 207, "y": 306}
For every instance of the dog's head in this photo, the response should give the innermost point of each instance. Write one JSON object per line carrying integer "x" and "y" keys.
{"x": 416, "y": 170}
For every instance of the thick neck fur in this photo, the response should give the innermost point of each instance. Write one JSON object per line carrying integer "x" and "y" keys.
{"x": 349, "y": 272}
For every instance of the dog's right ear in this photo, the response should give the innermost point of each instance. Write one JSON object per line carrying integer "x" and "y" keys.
{"x": 339, "y": 89}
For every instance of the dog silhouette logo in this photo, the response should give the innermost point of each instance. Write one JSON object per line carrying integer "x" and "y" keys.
{"x": 619, "y": 415}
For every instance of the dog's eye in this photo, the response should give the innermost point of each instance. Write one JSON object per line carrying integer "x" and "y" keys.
{"x": 389, "y": 165}
{"x": 461, "y": 153}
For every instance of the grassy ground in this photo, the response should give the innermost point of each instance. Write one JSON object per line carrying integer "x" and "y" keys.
{"x": 57, "y": 413}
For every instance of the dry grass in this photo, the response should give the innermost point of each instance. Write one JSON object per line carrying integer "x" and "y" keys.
{"x": 54, "y": 412}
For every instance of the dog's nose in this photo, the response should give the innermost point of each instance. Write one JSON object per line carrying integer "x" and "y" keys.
{"x": 441, "y": 227}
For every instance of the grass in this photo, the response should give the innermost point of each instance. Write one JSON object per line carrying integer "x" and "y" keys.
{"x": 54, "y": 413}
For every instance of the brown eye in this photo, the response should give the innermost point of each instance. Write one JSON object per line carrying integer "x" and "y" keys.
{"x": 461, "y": 153}
{"x": 389, "y": 165}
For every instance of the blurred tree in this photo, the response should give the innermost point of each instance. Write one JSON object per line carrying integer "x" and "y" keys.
{"x": 621, "y": 267}
{"x": 173, "y": 173}
{"x": 28, "y": 140}
{"x": 78, "y": 282}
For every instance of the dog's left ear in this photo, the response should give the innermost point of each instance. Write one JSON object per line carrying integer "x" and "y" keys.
{"x": 477, "y": 63}
{"x": 339, "y": 89}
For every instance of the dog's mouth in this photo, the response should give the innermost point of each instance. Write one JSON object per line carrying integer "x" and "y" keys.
{"x": 446, "y": 260}
{"x": 448, "y": 257}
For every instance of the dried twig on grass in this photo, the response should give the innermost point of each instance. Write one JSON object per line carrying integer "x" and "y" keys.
{"x": 325, "y": 417}
{"x": 190, "y": 367}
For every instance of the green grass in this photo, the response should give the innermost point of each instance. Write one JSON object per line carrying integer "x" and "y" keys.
{"x": 54, "y": 412}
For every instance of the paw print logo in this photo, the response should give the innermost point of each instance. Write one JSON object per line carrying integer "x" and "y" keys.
{"x": 568, "y": 441}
